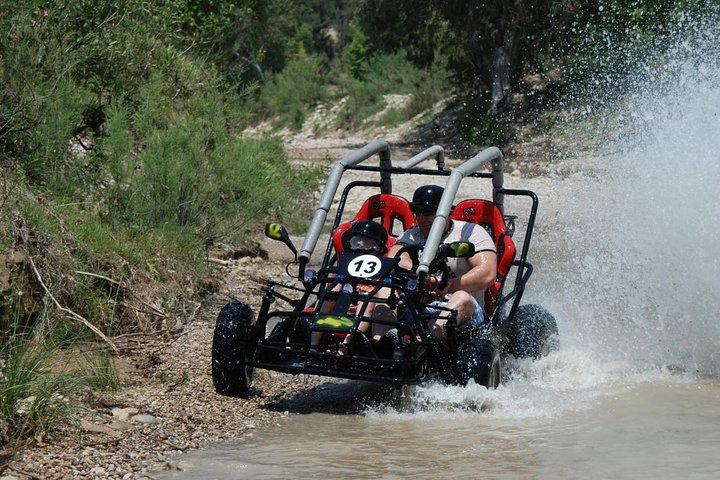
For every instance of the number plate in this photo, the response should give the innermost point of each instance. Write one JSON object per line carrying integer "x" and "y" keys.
{"x": 365, "y": 265}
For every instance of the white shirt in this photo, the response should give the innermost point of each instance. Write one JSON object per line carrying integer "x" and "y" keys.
{"x": 459, "y": 231}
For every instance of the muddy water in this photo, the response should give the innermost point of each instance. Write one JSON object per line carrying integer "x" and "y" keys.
{"x": 626, "y": 257}
{"x": 639, "y": 428}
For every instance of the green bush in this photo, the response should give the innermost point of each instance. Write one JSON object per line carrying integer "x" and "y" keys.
{"x": 392, "y": 73}
{"x": 358, "y": 54}
{"x": 288, "y": 95}
{"x": 194, "y": 174}
{"x": 98, "y": 371}
{"x": 125, "y": 151}
{"x": 31, "y": 400}
{"x": 39, "y": 373}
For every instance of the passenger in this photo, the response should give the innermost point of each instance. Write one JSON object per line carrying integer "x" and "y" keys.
{"x": 469, "y": 277}
{"x": 364, "y": 237}
{"x": 368, "y": 237}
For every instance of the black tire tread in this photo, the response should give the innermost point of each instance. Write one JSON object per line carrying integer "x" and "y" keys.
{"x": 534, "y": 332}
{"x": 231, "y": 350}
{"x": 479, "y": 359}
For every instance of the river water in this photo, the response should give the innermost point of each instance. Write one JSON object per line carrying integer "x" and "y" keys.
{"x": 626, "y": 257}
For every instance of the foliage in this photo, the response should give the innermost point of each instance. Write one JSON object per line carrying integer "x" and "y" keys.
{"x": 125, "y": 156}
{"x": 358, "y": 54}
{"x": 391, "y": 74}
{"x": 487, "y": 44}
{"x": 613, "y": 40}
{"x": 246, "y": 39}
{"x": 31, "y": 401}
{"x": 98, "y": 371}
{"x": 490, "y": 46}
{"x": 289, "y": 94}
{"x": 35, "y": 381}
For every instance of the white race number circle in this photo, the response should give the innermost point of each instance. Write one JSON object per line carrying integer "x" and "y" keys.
{"x": 364, "y": 266}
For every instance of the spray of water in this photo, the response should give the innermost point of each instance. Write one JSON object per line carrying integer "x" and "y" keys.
{"x": 630, "y": 264}
{"x": 644, "y": 278}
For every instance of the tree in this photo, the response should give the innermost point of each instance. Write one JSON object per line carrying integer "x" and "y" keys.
{"x": 489, "y": 43}
{"x": 240, "y": 34}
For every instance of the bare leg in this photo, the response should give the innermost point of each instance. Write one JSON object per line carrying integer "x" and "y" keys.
{"x": 463, "y": 303}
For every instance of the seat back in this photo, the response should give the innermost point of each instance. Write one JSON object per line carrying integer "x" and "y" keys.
{"x": 486, "y": 214}
{"x": 391, "y": 211}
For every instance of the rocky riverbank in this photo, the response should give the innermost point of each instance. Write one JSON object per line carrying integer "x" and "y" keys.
{"x": 169, "y": 404}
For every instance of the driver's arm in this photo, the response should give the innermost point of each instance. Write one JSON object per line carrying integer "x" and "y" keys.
{"x": 405, "y": 260}
{"x": 482, "y": 274}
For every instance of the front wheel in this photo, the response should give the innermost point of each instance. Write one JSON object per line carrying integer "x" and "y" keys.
{"x": 534, "y": 332}
{"x": 479, "y": 359}
{"x": 232, "y": 350}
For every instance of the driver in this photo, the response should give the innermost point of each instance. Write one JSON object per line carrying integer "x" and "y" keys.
{"x": 469, "y": 277}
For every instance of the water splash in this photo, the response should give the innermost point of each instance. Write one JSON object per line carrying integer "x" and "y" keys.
{"x": 629, "y": 265}
{"x": 640, "y": 280}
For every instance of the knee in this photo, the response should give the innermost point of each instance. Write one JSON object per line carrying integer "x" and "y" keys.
{"x": 461, "y": 298}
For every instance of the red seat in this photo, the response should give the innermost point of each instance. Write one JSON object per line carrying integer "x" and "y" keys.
{"x": 391, "y": 211}
{"x": 487, "y": 214}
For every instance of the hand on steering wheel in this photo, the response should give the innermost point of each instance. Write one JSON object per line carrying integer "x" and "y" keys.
{"x": 413, "y": 252}
{"x": 440, "y": 270}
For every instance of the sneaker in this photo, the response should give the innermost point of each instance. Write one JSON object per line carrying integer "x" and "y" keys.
{"x": 384, "y": 347}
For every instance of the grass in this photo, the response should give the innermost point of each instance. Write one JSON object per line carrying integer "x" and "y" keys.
{"x": 31, "y": 399}
{"x": 391, "y": 74}
{"x": 98, "y": 371}
{"x": 38, "y": 376}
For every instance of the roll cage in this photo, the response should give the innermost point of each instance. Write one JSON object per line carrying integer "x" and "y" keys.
{"x": 502, "y": 233}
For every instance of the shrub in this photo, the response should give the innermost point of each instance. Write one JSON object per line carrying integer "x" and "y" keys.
{"x": 31, "y": 401}
{"x": 392, "y": 73}
{"x": 193, "y": 174}
{"x": 289, "y": 94}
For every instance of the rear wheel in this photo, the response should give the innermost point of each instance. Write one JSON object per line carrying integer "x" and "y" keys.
{"x": 534, "y": 332}
{"x": 479, "y": 359}
{"x": 232, "y": 350}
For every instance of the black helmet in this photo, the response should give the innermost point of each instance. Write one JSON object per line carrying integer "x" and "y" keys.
{"x": 427, "y": 197}
{"x": 367, "y": 230}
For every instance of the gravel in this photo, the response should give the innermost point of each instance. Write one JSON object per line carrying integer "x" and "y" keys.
{"x": 169, "y": 404}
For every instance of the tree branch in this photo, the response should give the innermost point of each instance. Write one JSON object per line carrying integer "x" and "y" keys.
{"x": 69, "y": 312}
{"x": 155, "y": 311}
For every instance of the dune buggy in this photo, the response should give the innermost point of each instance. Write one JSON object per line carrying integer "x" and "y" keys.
{"x": 306, "y": 330}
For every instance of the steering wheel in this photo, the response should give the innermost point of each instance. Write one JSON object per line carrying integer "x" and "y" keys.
{"x": 438, "y": 265}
